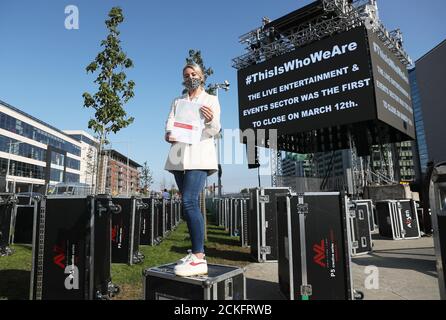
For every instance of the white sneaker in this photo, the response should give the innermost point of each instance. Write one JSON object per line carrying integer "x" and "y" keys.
{"x": 191, "y": 267}
{"x": 186, "y": 258}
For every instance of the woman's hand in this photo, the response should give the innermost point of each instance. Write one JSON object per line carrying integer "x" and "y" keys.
{"x": 207, "y": 113}
{"x": 168, "y": 137}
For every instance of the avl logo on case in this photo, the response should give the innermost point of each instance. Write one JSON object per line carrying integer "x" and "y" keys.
{"x": 114, "y": 233}
{"x": 60, "y": 257}
{"x": 319, "y": 250}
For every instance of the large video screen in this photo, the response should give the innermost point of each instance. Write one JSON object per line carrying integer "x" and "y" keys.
{"x": 325, "y": 84}
{"x": 392, "y": 88}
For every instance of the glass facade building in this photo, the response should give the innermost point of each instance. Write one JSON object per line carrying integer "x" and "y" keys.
{"x": 33, "y": 153}
{"x": 419, "y": 123}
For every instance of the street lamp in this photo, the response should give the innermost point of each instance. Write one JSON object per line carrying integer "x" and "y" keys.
{"x": 225, "y": 86}
{"x": 9, "y": 161}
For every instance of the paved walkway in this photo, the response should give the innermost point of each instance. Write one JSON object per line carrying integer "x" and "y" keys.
{"x": 406, "y": 272}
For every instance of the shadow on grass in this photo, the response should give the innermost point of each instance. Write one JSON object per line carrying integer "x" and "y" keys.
{"x": 24, "y": 246}
{"x": 217, "y": 231}
{"x": 228, "y": 242}
{"x": 230, "y": 255}
{"x": 180, "y": 249}
{"x": 14, "y": 284}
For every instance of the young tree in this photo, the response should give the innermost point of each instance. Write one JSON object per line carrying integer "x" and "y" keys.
{"x": 113, "y": 89}
{"x": 146, "y": 178}
{"x": 195, "y": 57}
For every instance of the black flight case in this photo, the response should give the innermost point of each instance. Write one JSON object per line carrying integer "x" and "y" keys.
{"x": 7, "y": 203}
{"x": 148, "y": 232}
{"x": 221, "y": 283}
{"x": 25, "y": 212}
{"x": 71, "y": 256}
{"x": 314, "y": 251}
{"x": 243, "y": 222}
{"x": 367, "y": 205}
{"x": 262, "y": 221}
{"x": 398, "y": 219}
{"x": 359, "y": 223}
{"x": 126, "y": 229}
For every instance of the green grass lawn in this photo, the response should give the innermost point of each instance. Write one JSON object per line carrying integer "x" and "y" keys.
{"x": 220, "y": 249}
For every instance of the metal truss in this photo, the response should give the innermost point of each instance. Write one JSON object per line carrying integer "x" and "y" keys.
{"x": 274, "y": 167}
{"x": 335, "y": 16}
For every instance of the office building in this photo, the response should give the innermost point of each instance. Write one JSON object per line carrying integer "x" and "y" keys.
{"x": 33, "y": 153}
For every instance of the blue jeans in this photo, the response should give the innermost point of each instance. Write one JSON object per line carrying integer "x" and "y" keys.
{"x": 191, "y": 183}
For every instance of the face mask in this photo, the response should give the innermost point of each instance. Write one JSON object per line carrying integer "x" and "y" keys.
{"x": 192, "y": 83}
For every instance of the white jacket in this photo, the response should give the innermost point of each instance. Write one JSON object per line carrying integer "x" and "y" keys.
{"x": 201, "y": 156}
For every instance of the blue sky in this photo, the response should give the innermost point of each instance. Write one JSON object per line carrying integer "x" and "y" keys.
{"x": 42, "y": 64}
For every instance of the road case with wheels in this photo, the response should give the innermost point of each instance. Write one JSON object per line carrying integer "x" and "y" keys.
{"x": 263, "y": 223}
{"x": 398, "y": 219}
{"x": 126, "y": 231}
{"x": 359, "y": 223}
{"x": 7, "y": 203}
{"x": 314, "y": 251}
{"x": 147, "y": 236}
{"x": 221, "y": 283}
{"x": 72, "y": 249}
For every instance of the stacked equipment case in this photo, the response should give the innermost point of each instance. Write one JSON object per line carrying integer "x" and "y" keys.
{"x": 425, "y": 220}
{"x": 221, "y": 283}
{"x": 148, "y": 231}
{"x": 7, "y": 203}
{"x": 262, "y": 222}
{"x": 159, "y": 220}
{"x": 234, "y": 220}
{"x": 25, "y": 212}
{"x": 168, "y": 216}
{"x": 126, "y": 229}
{"x": 243, "y": 216}
{"x": 72, "y": 249}
{"x": 314, "y": 250}
{"x": 368, "y": 205}
{"x": 398, "y": 219}
{"x": 359, "y": 224}
{"x": 437, "y": 200}
{"x": 177, "y": 212}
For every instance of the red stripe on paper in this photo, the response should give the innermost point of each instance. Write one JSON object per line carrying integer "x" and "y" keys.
{"x": 183, "y": 125}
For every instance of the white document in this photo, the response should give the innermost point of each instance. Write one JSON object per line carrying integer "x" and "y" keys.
{"x": 188, "y": 122}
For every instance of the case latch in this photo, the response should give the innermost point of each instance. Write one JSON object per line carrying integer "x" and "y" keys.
{"x": 306, "y": 290}
{"x": 265, "y": 250}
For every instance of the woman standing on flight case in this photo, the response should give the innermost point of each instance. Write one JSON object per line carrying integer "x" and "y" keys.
{"x": 192, "y": 163}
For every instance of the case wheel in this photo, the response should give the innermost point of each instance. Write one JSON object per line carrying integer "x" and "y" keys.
{"x": 6, "y": 251}
{"x": 358, "y": 295}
